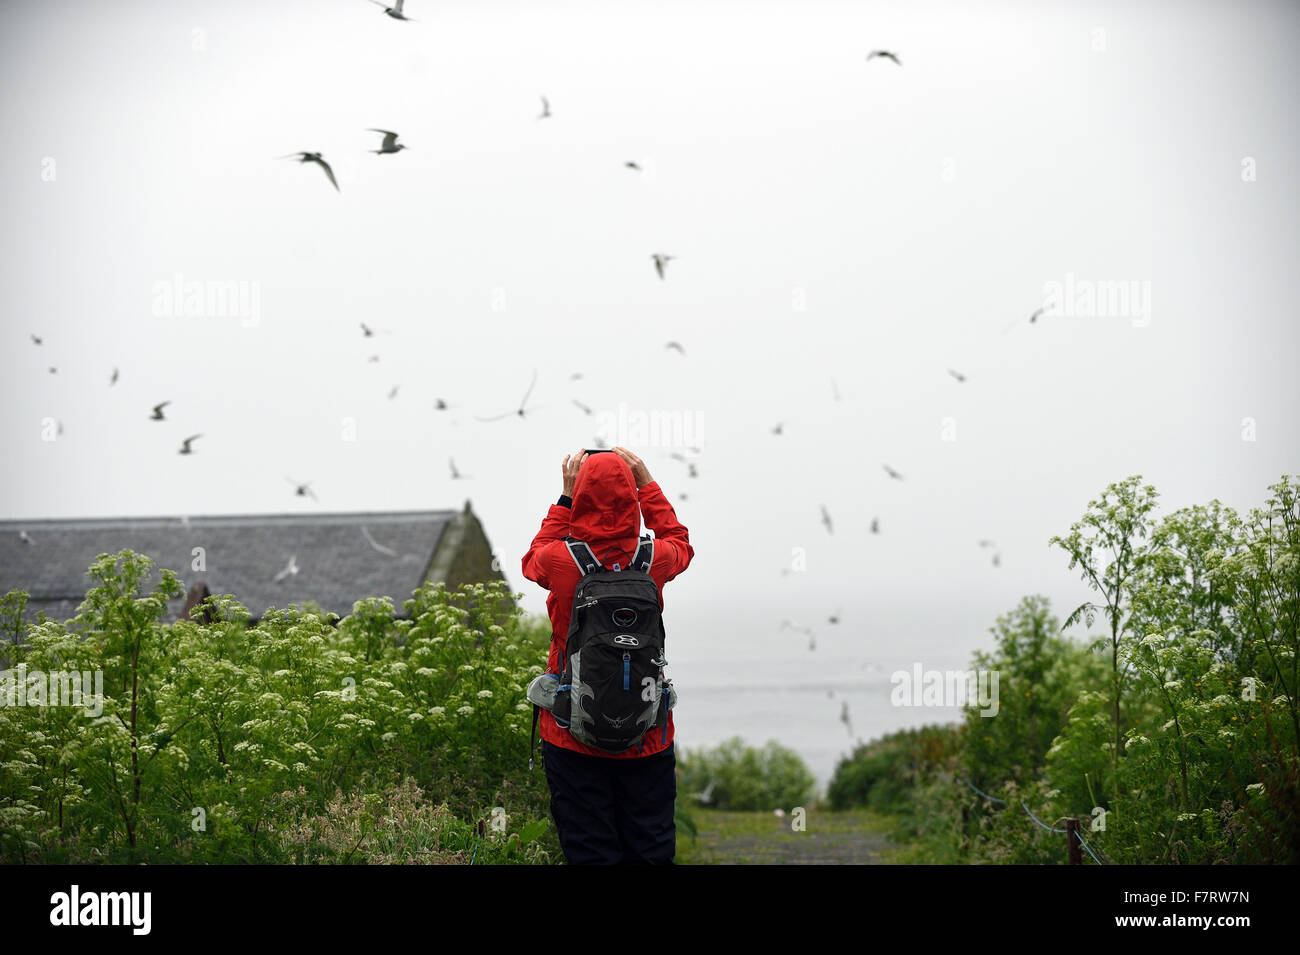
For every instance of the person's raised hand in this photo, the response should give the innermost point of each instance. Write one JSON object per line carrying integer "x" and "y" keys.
{"x": 569, "y": 469}
{"x": 640, "y": 473}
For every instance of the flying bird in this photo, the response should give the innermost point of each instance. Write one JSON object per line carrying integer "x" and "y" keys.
{"x": 691, "y": 471}
{"x": 997, "y": 560}
{"x": 185, "y": 445}
{"x": 376, "y": 545}
{"x": 875, "y": 525}
{"x": 302, "y": 489}
{"x": 393, "y": 394}
{"x": 958, "y": 375}
{"x": 522, "y": 404}
{"x": 290, "y": 569}
{"x": 158, "y": 412}
{"x": 892, "y": 473}
{"x": 631, "y": 165}
{"x": 826, "y": 519}
{"x": 37, "y": 341}
{"x": 885, "y": 54}
{"x": 661, "y": 262}
{"x": 390, "y": 143}
{"x": 455, "y": 472}
{"x": 53, "y": 370}
{"x": 834, "y": 618}
{"x": 367, "y": 330}
{"x": 585, "y": 409}
{"x": 316, "y": 158}
{"x": 835, "y": 390}
{"x": 372, "y": 359}
{"x": 546, "y": 109}
{"x": 394, "y": 11}
{"x": 844, "y": 717}
{"x": 25, "y": 537}
{"x": 575, "y": 376}
{"x": 599, "y": 442}
{"x": 779, "y": 428}
{"x": 1036, "y": 313}
{"x": 440, "y": 405}
{"x": 677, "y": 347}
{"x": 986, "y": 543}
{"x": 113, "y": 380}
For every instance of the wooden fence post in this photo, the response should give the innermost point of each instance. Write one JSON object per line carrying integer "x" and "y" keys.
{"x": 1072, "y": 838}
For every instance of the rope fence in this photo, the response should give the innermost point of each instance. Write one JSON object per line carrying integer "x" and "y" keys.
{"x": 1074, "y": 837}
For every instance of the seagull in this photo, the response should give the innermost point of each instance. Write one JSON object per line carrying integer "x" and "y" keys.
{"x": 826, "y": 519}
{"x": 372, "y": 359}
{"x": 440, "y": 405}
{"x": 844, "y": 717}
{"x": 599, "y": 442}
{"x": 520, "y": 411}
{"x": 390, "y": 143}
{"x": 546, "y": 109}
{"x": 290, "y": 569}
{"x": 376, "y": 545}
{"x": 113, "y": 380}
{"x": 37, "y": 341}
{"x": 834, "y": 618}
{"x": 455, "y": 472}
{"x": 884, "y": 53}
{"x": 691, "y": 471}
{"x": 393, "y": 394}
{"x": 892, "y": 473}
{"x": 986, "y": 543}
{"x": 997, "y": 560}
{"x": 706, "y": 796}
{"x": 875, "y": 525}
{"x": 585, "y": 409}
{"x": 661, "y": 262}
{"x": 575, "y": 376}
{"x": 158, "y": 412}
{"x": 303, "y": 489}
{"x": 316, "y": 158}
{"x": 958, "y": 375}
{"x": 394, "y": 11}
{"x": 677, "y": 347}
{"x": 367, "y": 330}
{"x": 25, "y": 537}
{"x": 631, "y": 165}
{"x": 1037, "y": 312}
{"x": 185, "y": 445}
{"x": 53, "y": 370}
{"x": 779, "y": 428}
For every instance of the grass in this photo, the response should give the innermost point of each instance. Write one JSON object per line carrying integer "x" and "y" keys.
{"x": 858, "y": 836}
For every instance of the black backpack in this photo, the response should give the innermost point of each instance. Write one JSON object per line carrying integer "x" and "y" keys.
{"x": 612, "y": 690}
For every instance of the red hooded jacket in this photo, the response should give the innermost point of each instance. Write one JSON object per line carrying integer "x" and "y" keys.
{"x": 607, "y": 511}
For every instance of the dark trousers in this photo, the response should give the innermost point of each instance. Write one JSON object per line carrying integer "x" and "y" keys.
{"x": 613, "y": 811}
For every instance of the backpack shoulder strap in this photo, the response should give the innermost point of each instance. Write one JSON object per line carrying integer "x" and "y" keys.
{"x": 582, "y": 556}
{"x": 645, "y": 555}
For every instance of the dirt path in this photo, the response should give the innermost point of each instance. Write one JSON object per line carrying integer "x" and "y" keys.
{"x": 750, "y": 838}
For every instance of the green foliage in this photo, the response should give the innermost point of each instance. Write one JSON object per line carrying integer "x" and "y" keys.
{"x": 740, "y": 777}
{"x": 1172, "y": 737}
{"x": 218, "y": 741}
{"x": 884, "y": 774}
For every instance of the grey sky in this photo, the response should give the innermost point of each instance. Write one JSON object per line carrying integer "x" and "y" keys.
{"x": 833, "y": 218}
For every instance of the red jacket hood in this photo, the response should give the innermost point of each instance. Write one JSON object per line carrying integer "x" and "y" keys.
{"x": 606, "y": 508}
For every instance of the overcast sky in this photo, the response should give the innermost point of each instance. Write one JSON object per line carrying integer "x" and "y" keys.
{"x": 839, "y": 225}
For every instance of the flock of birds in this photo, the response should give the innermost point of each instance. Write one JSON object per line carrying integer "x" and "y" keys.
{"x": 390, "y": 144}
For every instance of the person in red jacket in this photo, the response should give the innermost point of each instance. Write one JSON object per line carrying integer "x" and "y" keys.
{"x": 608, "y": 807}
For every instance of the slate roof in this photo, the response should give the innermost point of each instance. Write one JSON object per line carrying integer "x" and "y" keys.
{"x": 337, "y": 564}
